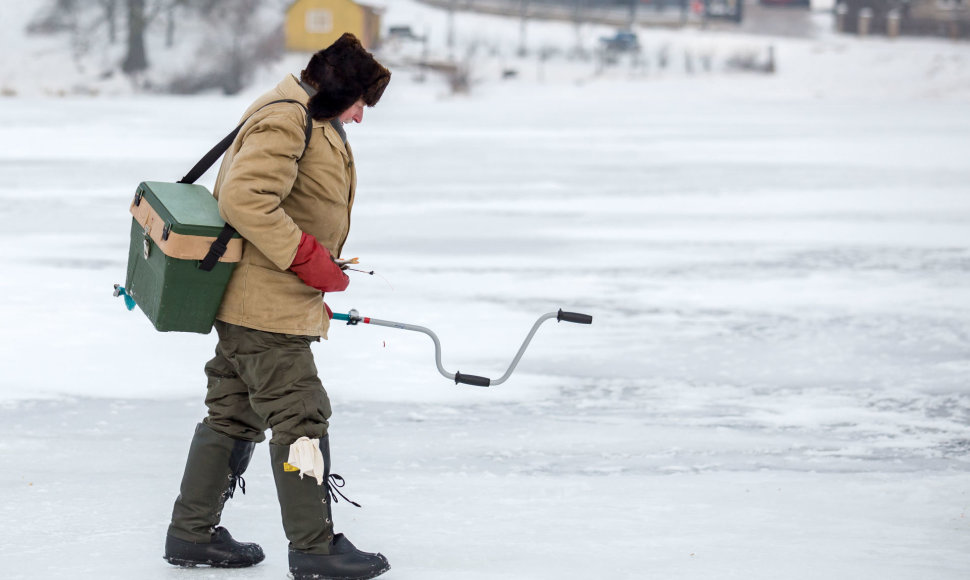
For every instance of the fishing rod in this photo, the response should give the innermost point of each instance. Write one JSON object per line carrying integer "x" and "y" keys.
{"x": 353, "y": 318}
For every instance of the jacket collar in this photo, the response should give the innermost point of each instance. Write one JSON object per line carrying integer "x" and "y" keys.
{"x": 291, "y": 88}
{"x": 336, "y": 124}
{"x": 310, "y": 91}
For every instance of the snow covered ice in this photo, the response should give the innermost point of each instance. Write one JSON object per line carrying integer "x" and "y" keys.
{"x": 774, "y": 386}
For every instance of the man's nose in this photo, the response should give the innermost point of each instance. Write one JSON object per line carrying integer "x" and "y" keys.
{"x": 359, "y": 116}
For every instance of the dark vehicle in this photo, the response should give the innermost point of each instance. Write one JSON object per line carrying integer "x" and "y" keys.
{"x": 622, "y": 41}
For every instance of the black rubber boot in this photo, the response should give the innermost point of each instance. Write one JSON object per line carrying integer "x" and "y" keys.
{"x": 344, "y": 562}
{"x": 222, "y": 551}
{"x": 315, "y": 552}
{"x": 213, "y": 471}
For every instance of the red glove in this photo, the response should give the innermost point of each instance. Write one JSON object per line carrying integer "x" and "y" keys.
{"x": 315, "y": 266}
{"x": 329, "y": 312}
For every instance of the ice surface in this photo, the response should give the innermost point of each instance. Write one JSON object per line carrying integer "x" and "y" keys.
{"x": 774, "y": 386}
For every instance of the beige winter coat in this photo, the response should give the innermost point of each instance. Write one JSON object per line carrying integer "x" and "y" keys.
{"x": 270, "y": 198}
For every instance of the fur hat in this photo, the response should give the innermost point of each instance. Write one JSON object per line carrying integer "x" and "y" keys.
{"x": 344, "y": 72}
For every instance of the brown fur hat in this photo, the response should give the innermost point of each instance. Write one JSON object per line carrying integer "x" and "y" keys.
{"x": 344, "y": 72}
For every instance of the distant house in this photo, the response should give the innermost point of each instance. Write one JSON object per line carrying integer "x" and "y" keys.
{"x": 922, "y": 17}
{"x": 944, "y": 17}
{"x": 315, "y": 24}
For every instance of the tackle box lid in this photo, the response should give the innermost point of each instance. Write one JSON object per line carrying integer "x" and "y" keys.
{"x": 187, "y": 208}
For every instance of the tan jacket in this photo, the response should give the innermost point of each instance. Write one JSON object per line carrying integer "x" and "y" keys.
{"x": 270, "y": 198}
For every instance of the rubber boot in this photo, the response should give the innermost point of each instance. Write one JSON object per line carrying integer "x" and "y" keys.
{"x": 315, "y": 551}
{"x": 213, "y": 470}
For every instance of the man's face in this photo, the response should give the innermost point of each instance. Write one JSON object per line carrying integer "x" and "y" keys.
{"x": 353, "y": 114}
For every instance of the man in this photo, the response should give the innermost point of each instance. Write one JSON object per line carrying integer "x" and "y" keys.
{"x": 289, "y": 195}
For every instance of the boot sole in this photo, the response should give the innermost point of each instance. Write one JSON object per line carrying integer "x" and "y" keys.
{"x": 312, "y": 576}
{"x": 183, "y": 563}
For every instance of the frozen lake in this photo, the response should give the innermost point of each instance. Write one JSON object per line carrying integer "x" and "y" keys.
{"x": 775, "y": 384}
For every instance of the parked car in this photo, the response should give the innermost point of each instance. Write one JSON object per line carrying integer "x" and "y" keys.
{"x": 622, "y": 41}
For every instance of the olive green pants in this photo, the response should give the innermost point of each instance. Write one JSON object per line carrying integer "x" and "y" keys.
{"x": 264, "y": 380}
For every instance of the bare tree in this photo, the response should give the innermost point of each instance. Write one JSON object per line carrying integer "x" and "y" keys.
{"x": 237, "y": 41}
{"x": 136, "y": 59}
{"x": 110, "y": 8}
{"x": 240, "y": 54}
{"x": 170, "y": 23}
{"x": 54, "y": 17}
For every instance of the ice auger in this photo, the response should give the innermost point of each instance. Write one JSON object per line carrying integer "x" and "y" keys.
{"x": 354, "y": 318}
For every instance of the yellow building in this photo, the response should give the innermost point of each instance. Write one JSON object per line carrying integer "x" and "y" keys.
{"x": 314, "y": 24}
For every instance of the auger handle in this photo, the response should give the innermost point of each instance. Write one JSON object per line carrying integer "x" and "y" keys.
{"x": 473, "y": 380}
{"x": 574, "y": 317}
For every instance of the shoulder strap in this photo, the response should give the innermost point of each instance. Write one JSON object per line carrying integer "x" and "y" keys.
{"x": 219, "y": 246}
{"x": 221, "y": 147}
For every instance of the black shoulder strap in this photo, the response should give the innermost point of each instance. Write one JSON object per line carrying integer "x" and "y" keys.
{"x": 219, "y": 246}
{"x": 222, "y": 146}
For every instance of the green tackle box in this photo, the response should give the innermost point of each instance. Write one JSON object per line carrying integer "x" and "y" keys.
{"x": 172, "y": 227}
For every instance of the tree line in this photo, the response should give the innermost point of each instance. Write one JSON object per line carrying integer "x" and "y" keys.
{"x": 234, "y": 37}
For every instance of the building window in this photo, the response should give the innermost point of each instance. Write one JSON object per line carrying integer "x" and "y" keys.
{"x": 319, "y": 21}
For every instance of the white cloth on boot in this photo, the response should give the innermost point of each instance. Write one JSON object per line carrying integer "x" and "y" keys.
{"x": 305, "y": 455}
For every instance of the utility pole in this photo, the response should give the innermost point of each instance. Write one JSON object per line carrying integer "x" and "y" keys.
{"x": 451, "y": 30}
{"x": 579, "y": 18}
{"x": 523, "y": 13}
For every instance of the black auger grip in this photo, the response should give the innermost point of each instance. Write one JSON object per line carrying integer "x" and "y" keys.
{"x": 472, "y": 380}
{"x": 574, "y": 317}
